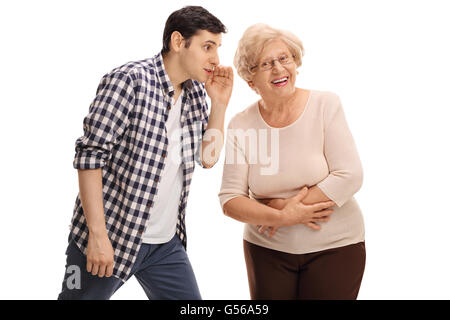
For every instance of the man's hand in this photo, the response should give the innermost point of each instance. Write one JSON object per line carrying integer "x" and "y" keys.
{"x": 100, "y": 255}
{"x": 219, "y": 85}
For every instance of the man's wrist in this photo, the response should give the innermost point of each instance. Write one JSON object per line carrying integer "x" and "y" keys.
{"x": 219, "y": 105}
{"x": 98, "y": 231}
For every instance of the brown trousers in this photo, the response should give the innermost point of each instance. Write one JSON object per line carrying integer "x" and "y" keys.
{"x": 333, "y": 274}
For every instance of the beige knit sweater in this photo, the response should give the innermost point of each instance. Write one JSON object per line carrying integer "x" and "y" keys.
{"x": 317, "y": 149}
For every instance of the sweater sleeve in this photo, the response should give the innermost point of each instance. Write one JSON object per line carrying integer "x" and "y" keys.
{"x": 235, "y": 169}
{"x": 346, "y": 174}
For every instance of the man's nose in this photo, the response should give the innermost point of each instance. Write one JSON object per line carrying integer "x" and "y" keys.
{"x": 215, "y": 61}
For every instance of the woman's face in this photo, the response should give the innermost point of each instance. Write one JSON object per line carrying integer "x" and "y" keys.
{"x": 279, "y": 81}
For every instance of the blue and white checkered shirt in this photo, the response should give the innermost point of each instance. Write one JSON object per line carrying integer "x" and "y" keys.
{"x": 125, "y": 135}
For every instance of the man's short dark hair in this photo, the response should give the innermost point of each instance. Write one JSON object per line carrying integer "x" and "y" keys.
{"x": 188, "y": 21}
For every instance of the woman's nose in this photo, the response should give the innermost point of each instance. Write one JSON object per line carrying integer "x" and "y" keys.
{"x": 276, "y": 66}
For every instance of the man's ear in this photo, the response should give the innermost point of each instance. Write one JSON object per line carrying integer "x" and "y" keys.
{"x": 176, "y": 41}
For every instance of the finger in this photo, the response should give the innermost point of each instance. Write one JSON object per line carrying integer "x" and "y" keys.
{"x": 89, "y": 266}
{"x": 217, "y": 71}
{"x": 321, "y": 219}
{"x": 227, "y": 72}
{"x": 262, "y": 229}
{"x": 322, "y": 205}
{"x": 323, "y": 213}
{"x": 268, "y": 229}
{"x": 222, "y": 71}
{"x": 273, "y": 230}
{"x": 230, "y": 76}
{"x": 314, "y": 226}
{"x": 230, "y": 73}
{"x": 101, "y": 271}
{"x": 94, "y": 269}
{"x": 303, "y": 192}
{"x": 109, "y": 270}
{"x": 224, "y": 76}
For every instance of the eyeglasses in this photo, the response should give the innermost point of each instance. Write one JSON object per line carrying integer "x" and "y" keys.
{"x": 284, "y": 59}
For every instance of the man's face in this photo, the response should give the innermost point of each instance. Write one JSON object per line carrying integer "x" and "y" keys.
{"x": 201, "y": 57}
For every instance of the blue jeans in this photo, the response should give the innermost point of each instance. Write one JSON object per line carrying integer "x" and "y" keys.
{"x": 163, "y": 271}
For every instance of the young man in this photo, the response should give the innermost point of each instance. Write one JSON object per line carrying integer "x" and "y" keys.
{"x": 145, "y": 128}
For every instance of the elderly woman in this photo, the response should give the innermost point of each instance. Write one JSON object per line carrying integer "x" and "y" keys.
{"x": 304, "y": 232}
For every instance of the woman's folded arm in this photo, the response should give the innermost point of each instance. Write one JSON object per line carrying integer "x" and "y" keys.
{"x": 346, "y": 174}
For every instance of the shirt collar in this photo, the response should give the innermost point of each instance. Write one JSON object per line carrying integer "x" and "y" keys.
{"x": 164, "y": 77}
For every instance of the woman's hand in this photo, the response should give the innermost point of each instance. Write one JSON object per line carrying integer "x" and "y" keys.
{"x": 276, "y": 203}
{"x": 294, "y": 210}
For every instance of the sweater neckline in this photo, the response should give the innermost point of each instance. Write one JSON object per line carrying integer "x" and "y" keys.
{"x": 291, "y": 124}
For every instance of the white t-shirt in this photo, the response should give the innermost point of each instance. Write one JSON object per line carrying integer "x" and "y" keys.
{"x": 162, "y": 223}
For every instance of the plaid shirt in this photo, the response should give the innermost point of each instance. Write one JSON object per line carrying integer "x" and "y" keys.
{"x": 125, "y": 135}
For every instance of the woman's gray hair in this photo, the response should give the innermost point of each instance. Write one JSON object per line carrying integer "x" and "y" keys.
{"x": 252, "y": 43}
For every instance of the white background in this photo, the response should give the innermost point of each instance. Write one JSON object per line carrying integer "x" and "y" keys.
{"x": 387, "y": 60}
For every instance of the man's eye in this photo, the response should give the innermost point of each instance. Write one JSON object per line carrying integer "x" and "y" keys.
{"x": 264, "y": 64}
{"x": 207, "y": 47}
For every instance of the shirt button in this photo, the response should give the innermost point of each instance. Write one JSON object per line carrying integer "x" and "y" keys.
{"x": 149, "y": 204}
{"x": 141, "y": 231}
{"x": 164, "y": 154}
{"x": 156, "y": 179}
{"x": 169, "y": 107}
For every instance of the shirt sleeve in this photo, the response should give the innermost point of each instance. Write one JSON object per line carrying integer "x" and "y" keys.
{"x": 346, "y": 174}
{"x": 235, "y": 169}
{"x": 204, "y": 124}
{"x": 106, "y": 121}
